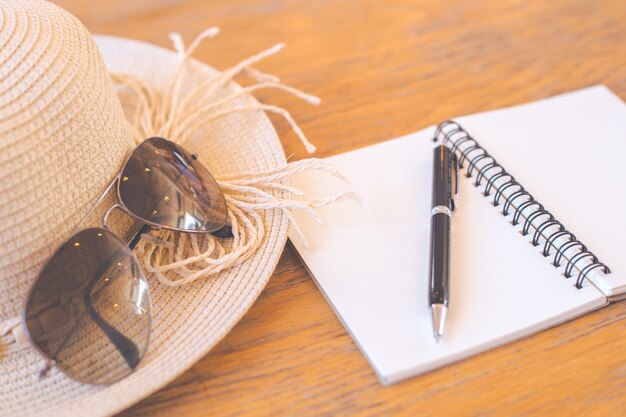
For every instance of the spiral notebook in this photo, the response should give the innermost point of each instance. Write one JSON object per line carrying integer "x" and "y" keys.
{"x": 556, "y": 168}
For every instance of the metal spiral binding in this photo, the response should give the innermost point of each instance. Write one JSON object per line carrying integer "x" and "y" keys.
{"x": 498, "y": 180}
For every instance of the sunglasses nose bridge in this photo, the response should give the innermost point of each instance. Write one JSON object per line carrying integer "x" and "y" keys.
{"x": 107, "y": 213}
{"x": 134, "y": 236}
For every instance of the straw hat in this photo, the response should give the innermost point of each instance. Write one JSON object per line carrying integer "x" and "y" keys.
{"x": 63, "y": 137}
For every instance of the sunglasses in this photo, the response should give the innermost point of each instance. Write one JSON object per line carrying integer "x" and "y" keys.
{"x": 88, "y": 312}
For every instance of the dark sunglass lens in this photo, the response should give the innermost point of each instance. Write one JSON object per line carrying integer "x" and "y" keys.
{"x": 89, "y": 310}
{"x": 163, "y": 184}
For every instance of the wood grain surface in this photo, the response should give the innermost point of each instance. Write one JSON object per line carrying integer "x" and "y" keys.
{"x": 384, "y": 69}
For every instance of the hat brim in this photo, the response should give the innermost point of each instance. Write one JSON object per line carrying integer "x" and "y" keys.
{"x": 188, "y": 321}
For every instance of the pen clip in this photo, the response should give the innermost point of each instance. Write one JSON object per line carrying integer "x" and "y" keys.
{"x": 454, "y": 186}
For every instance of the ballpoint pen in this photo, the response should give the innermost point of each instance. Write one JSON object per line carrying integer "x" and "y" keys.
{"x": 445, "y": 190}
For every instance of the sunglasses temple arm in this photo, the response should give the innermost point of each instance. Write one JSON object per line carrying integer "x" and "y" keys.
{"x": 125, "y": 346}
{"x": 225, "y": 232}
{"x": 135, "y": 236}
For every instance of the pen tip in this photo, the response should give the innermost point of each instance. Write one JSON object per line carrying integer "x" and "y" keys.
{"x": 439, "y": 318}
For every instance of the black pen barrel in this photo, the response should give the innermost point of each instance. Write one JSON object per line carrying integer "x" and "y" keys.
{"x": 440, "y": 226}
{"x": 439, "y": 258}
{"x": 442, "y": 179}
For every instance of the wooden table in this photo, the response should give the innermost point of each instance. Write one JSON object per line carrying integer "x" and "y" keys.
{"x": 385, "y": 69}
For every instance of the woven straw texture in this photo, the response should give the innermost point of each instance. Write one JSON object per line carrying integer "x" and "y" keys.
{"x": 63, "y": 137}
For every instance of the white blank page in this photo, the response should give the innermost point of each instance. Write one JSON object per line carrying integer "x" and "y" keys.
{"x": 373, "y": 268}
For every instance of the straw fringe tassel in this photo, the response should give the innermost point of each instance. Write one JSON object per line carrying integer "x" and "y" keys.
{"x": 179, "y": 258}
